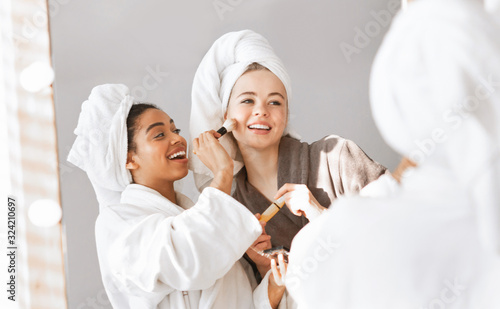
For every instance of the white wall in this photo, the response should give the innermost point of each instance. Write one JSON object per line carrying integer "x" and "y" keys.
{"x": 96, "y": 42}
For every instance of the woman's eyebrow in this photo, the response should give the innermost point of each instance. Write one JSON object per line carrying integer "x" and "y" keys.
{"x": 247, "y": 93}
{"x": 276, "y": 93}
{"x": 154, "y": 125}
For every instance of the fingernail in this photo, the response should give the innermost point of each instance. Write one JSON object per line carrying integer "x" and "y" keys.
{"x": 281, "y": 199}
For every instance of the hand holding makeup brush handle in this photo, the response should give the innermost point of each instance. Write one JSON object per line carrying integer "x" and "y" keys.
{"x": 272, "y": 210}
{"x": 263, "y": 242}
{"x": 228, "y": 126}
{"x": 215, "y": 157}
{"x": 300, "y": 200}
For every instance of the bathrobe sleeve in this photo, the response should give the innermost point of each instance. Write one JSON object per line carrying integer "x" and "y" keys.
{"x": 157, "y": 253}
{"x": 356, "y": 169}
{"x": 338, "y": 167}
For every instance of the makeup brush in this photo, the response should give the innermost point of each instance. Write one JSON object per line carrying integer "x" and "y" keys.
{"x": 227, "y": 126}
{"x": 272, "y": 209}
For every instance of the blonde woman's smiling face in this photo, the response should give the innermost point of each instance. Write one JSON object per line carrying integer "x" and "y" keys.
{"x": 259, "y": 104}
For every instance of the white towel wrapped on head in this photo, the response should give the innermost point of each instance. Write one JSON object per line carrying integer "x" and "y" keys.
{"x": 100, "y": 148}
{"x": 492, "y": 6}
{"x": 224, "y": 63}
{"x": 435, "y": 97}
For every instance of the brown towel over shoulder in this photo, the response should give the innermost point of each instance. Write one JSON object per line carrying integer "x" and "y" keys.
{"x": 330, "y": 167}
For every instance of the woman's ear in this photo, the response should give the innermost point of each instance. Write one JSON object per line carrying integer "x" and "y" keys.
{"x": 131, "y": 162}
{"x": 287, "y": 113}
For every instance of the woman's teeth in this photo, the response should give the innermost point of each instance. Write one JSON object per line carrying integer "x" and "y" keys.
{"x": 259, "y": 127}
{"x": 176, "y": 155}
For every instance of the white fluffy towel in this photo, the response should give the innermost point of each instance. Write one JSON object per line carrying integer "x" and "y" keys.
{"x": 224, "y": 63}
{"x": 435, "y": 94}
{"x": 100, "y": 148}
{"x": 493, "y": 6}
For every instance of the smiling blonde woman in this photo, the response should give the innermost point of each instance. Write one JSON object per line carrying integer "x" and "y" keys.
{"x": 241, "y": 78}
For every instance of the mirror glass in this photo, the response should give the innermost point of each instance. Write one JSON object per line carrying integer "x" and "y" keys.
{"x": 154, "y": 47}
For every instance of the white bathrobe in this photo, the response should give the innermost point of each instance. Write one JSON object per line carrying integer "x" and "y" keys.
{"x": 151, "y": 250}
{"x": 435, "y": 241}
{"x": 415, "y": 249}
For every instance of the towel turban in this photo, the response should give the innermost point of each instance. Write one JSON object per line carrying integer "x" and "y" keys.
{"x": 100, "y": 147}
{"x": 435, "y": 95}
{"x": 224, "y": 63}
{"x": 493, "y": 6}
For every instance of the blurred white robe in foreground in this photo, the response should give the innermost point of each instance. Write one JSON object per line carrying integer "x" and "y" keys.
{"x": 434, "y": 242}
{"x": 416, "y": 249}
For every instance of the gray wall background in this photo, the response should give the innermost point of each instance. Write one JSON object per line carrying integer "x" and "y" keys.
{"x": 95, "y": 42}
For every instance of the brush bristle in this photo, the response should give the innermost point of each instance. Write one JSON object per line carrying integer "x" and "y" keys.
{"x": 229, "y": 124}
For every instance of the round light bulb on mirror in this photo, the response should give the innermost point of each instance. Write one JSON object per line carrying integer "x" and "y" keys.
{"x": 36, "y": 76}
{"x": 45, "y": 213}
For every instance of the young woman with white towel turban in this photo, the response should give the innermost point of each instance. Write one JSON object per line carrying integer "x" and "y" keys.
{"x": 241, "y": 77}
{"x": 156, "y": 248}
{"x": 435, "y": 242}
